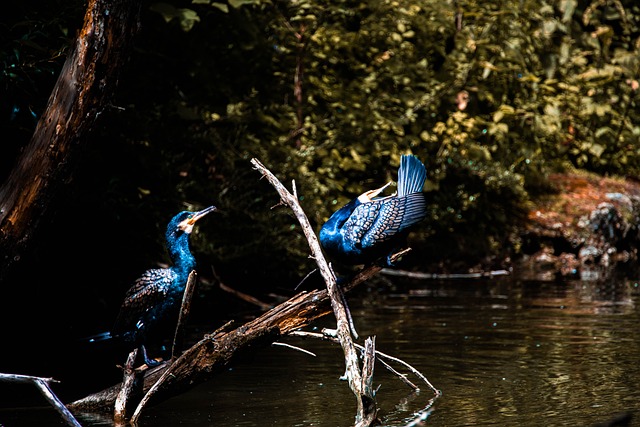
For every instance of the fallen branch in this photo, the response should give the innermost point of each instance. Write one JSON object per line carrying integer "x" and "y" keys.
{"x": 43, "y": 385}
{"x": 423, "y": 276}
{"x": 218, "y": 349}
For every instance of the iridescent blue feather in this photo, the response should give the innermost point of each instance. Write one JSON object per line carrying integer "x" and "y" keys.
{"x": 156, "y": 295}
{"x": 370, "y": 227}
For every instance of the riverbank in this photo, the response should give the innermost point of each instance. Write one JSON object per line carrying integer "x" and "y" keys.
{"x": 588, "y": 226}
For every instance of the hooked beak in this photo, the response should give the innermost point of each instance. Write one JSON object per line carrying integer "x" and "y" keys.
{"x": 200, "y": 214}
{"x": 369, "y": 195}
{"x": 187, "y": 224}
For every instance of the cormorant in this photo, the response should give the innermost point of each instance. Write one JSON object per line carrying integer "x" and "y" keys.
{"x": 156, "y": 296}
{"x": 371, "y": 227}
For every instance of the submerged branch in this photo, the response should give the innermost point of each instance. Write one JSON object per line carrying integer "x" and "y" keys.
{"x": 43, "y": 385}
{"x": 330, "y": 335}
{"x": 436, "y": 276}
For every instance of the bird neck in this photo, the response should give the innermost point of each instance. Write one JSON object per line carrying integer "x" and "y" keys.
{"x": 181, "y": 254}
{"x": 330, "y": 232}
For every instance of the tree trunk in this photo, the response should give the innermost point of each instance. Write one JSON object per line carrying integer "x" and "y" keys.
{"x": 84, "y": 87}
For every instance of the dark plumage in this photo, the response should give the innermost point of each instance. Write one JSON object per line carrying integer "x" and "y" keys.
{"x": 371, "y": 227}
{"x": 156, "y": 296}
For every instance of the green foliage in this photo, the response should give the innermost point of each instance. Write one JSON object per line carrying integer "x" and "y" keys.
{"x": 491, "y": 95}
{"x": 331, "y": 94}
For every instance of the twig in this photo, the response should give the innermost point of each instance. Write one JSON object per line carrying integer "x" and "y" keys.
{"x": 344, "y": 334}
{"x": 43, "y": 385}
{"x": 245, "y": 297}
{"x": 329, "y": 335}
{"x": 412, "y": 369}
{"x": 305, "y": 278}
{"x": 282, "y": 344}
{"x": 177, "y": 341}
{"x": 402, "y": 377}
{"x": 147, "y": 397}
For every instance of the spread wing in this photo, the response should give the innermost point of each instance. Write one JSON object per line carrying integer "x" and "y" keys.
{"x": 392, "y": 217}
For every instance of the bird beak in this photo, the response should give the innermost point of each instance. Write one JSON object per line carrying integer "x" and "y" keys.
{"x": 200, "y": 214}
{"x": 369, "y": 195}
{"x": 187, "y": 224}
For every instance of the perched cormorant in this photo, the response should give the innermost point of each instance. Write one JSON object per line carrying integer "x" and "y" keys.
{"x": 156, "y": 296}
{"x": 371, "y": 227}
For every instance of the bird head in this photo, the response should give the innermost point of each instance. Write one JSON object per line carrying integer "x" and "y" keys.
{"x": 189, "y": 221}
{"x": 185, "y": 220}
{"x": 368, "y": 196}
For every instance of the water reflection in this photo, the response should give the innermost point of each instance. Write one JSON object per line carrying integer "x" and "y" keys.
{"x": 504, "y": 352}
{"x": 517, "y": 353}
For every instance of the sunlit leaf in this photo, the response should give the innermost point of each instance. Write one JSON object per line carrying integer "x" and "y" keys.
{"x": 239, "y": 3}
{"x": 596, "y": 149}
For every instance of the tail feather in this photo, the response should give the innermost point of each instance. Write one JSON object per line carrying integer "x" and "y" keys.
{"x": 411, "y": 175}
{"x": 103, "y": 336}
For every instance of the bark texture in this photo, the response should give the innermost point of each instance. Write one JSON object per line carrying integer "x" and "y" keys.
{"x": 82, "y": 91}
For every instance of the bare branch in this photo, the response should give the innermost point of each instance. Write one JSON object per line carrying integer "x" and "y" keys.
{"x": 340, "y": 312}
{"x": 328, "y": 334}
{"x": 43, "y": 385}
{"x": 423, "y": 276}
{"x": 122, "y": 401}
{"x": 185, "y": 308}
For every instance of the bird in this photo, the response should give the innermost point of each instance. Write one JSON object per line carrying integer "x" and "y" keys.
{"x": 369, "y": 227}
{"x": 156, "y": 296}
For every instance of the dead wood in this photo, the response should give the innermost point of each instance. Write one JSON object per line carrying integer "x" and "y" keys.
{"x": 366, "y": 414}
{"x": 128, "y": 383}
{"x": 217, "y": 350}
{"x": 83, "y": 90}
{"x": 43, "y": 386}
{"x": 380, "y": 357}
{"x": 185, "y": 308}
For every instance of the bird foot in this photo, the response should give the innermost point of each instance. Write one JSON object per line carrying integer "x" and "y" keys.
{"x": 149, "y": 362}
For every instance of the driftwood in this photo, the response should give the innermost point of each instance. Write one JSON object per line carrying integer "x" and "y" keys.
{"x": 43, "y": 385}
{"x": 217, "y": 350}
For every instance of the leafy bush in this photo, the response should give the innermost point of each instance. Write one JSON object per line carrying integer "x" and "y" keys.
{"x": 492, "y": 96}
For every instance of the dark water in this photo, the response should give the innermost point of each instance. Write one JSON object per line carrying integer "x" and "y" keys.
{"x": 504, "y": 352}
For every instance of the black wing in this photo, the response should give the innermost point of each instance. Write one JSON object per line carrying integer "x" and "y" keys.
{"x": 148, "y": 291}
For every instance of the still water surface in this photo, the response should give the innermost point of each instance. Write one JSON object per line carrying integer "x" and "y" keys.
{"x": 504, "y": 352}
